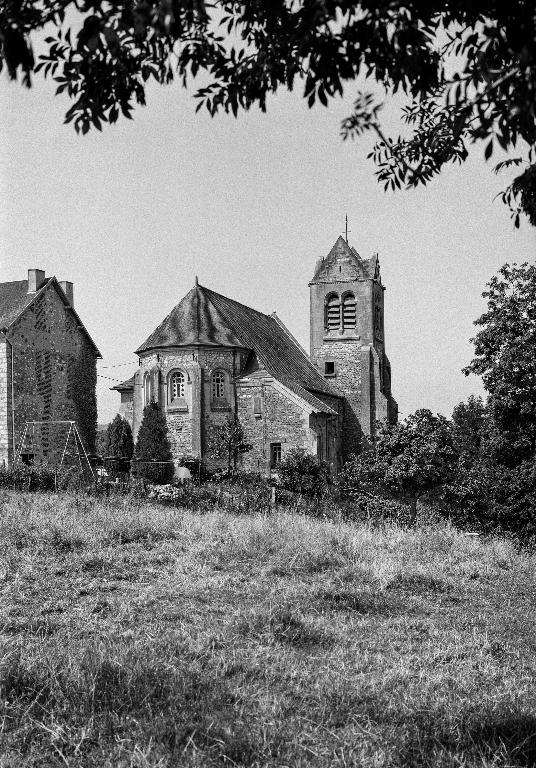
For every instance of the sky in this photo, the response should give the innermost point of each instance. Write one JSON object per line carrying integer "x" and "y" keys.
{"x": 133, "y": 214}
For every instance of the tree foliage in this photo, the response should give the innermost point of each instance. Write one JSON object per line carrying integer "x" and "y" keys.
{"x": 153, "y": 445}
{"x": 408, "y": 460}
{"x": 505, "y": 359}
{"x": 120, "y": 441}
{"x": 301, "y": 472}
{"x": 469, "y": 425}
{"x": 229, "y": 441}
{"x": 468, "y": 69}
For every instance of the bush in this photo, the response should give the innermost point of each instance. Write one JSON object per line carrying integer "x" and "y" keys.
{"x": 159, "y": 472}
{"x": 490, "y": 497}
{"x": 120, "y": 441}
{"x": 153, "y": 459}
{"x": 41, "y": 477}
{"x": 303, "y": 473}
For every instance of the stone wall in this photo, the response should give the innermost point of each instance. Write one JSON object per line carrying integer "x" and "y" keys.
{"x": 192, "y": 429}
{"x": 126, "y": 407}
{"x": 282, "y": 419}
{"x": 6, "y": 453}
{"x": 349, "y": 378}
{"x": 54, "y": 378}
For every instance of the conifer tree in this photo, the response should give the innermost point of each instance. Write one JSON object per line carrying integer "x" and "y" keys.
{"x": 120, "y": 440}
{"x": 153, "y": 444}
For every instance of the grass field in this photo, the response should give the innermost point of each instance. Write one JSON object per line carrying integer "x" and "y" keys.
{"x": 139, "y": 635}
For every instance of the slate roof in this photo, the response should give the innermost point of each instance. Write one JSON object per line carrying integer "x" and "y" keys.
{"x": 14, "y": 299}
{"x": 125, "y": 385}
{"x": 208, "y": 318}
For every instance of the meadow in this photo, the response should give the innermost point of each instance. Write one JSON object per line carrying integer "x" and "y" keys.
{"x": 135, "y": 634}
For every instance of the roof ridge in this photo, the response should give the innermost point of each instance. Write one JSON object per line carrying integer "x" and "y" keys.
{"x": 233, "y": 301}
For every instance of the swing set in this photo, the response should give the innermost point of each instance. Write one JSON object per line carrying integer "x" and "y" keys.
{"x": 36, "y": 439}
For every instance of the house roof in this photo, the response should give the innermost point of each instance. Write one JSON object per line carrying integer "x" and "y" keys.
{"x": 207, "y": 318}
{"x": 15, "y": 299}
{"x": 125, "y": 385}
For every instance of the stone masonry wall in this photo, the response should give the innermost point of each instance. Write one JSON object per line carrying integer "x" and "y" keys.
{"x": 281, "y": 421}
{"x": 54, "y": 376}
{"x": 190, "y": 431}
{"x": 5, "y": 403}
{"x": 347, "y": 357}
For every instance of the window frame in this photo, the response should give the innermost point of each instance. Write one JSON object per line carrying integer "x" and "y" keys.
{"x": 257, "y": 400}
{"x": 332, "y": 300}
{"x": 217, "y": 379}
{"x": 222, "y": 403}
{"x": 275, "y": 455}
{"x": 179, "y": 402}
{"x": 331, "y": 373}
{"x": 348, "y": 299}
{"x": 147, "y": 389}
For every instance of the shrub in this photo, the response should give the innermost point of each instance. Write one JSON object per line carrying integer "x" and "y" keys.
{"x": 120, "y": 441}
{"x": 492, "y": 497}
{"x": 304, "y": 473}
{"x": 229, "y": 442}
{"x": 41, "y": 477}
{"x": 153, "y": 459}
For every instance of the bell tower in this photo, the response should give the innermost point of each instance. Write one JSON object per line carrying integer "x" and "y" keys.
{"x": 347, "y": 339}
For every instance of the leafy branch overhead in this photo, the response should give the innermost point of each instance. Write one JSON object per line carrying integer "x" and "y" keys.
{"x": 468, "y": 69}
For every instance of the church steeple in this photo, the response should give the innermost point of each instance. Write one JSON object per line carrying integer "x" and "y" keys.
{"x": 347, "y": 341}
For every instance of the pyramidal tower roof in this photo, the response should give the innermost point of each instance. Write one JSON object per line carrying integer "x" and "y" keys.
{"x": 343, "y": 262}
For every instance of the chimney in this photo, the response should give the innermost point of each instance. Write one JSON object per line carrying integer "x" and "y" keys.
{"x": 36, "y": 279}
{"x": 67, "y": 289}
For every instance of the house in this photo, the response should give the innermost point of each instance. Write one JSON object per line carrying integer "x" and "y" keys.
{"x": 213, "y": 357}
{"x": 48, "y": 369}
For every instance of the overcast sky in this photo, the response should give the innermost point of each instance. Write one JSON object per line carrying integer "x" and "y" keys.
{"x": 132, "y": 215}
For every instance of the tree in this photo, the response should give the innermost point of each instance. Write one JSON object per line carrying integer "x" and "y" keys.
{"x": 103, "y": 441}
{"x": 467, "y": 69}
{"x": 229, "y": 441}
{"x": 505, "y": 359}
{"x": 469, "y": 424}
{"x": 408, "y": 461}
{"x": 153, "y": 445}
{"x": 120, "y": 440}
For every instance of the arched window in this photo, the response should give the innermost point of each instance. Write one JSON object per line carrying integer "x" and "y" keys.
{"x": 176, "y": 385}
{"x": 146, "y": 389}
{"x": 218, "y": 385}
{"x": 349, "y": 311}
{"x": 333, "y": 312}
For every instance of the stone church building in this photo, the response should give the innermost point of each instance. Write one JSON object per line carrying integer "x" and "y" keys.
{"x": 48, "y": 369}
{"x": 213, "y": 357}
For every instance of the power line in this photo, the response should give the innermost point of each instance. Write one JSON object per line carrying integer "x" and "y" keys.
{"x": 100, "y": 376}
{"x": 118, "y": 365}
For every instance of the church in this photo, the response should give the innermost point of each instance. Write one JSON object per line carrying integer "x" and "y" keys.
{"x": 212, "y": 358}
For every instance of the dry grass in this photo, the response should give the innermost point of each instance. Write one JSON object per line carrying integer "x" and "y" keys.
{"x": 138, "y": 635}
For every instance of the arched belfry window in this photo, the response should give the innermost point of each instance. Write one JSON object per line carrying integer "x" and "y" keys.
{"x": 333, "y": 312}
{"x": 177, "y": 382}
{"x": 218, "y": 386}
{"x": 349, "y": 311}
